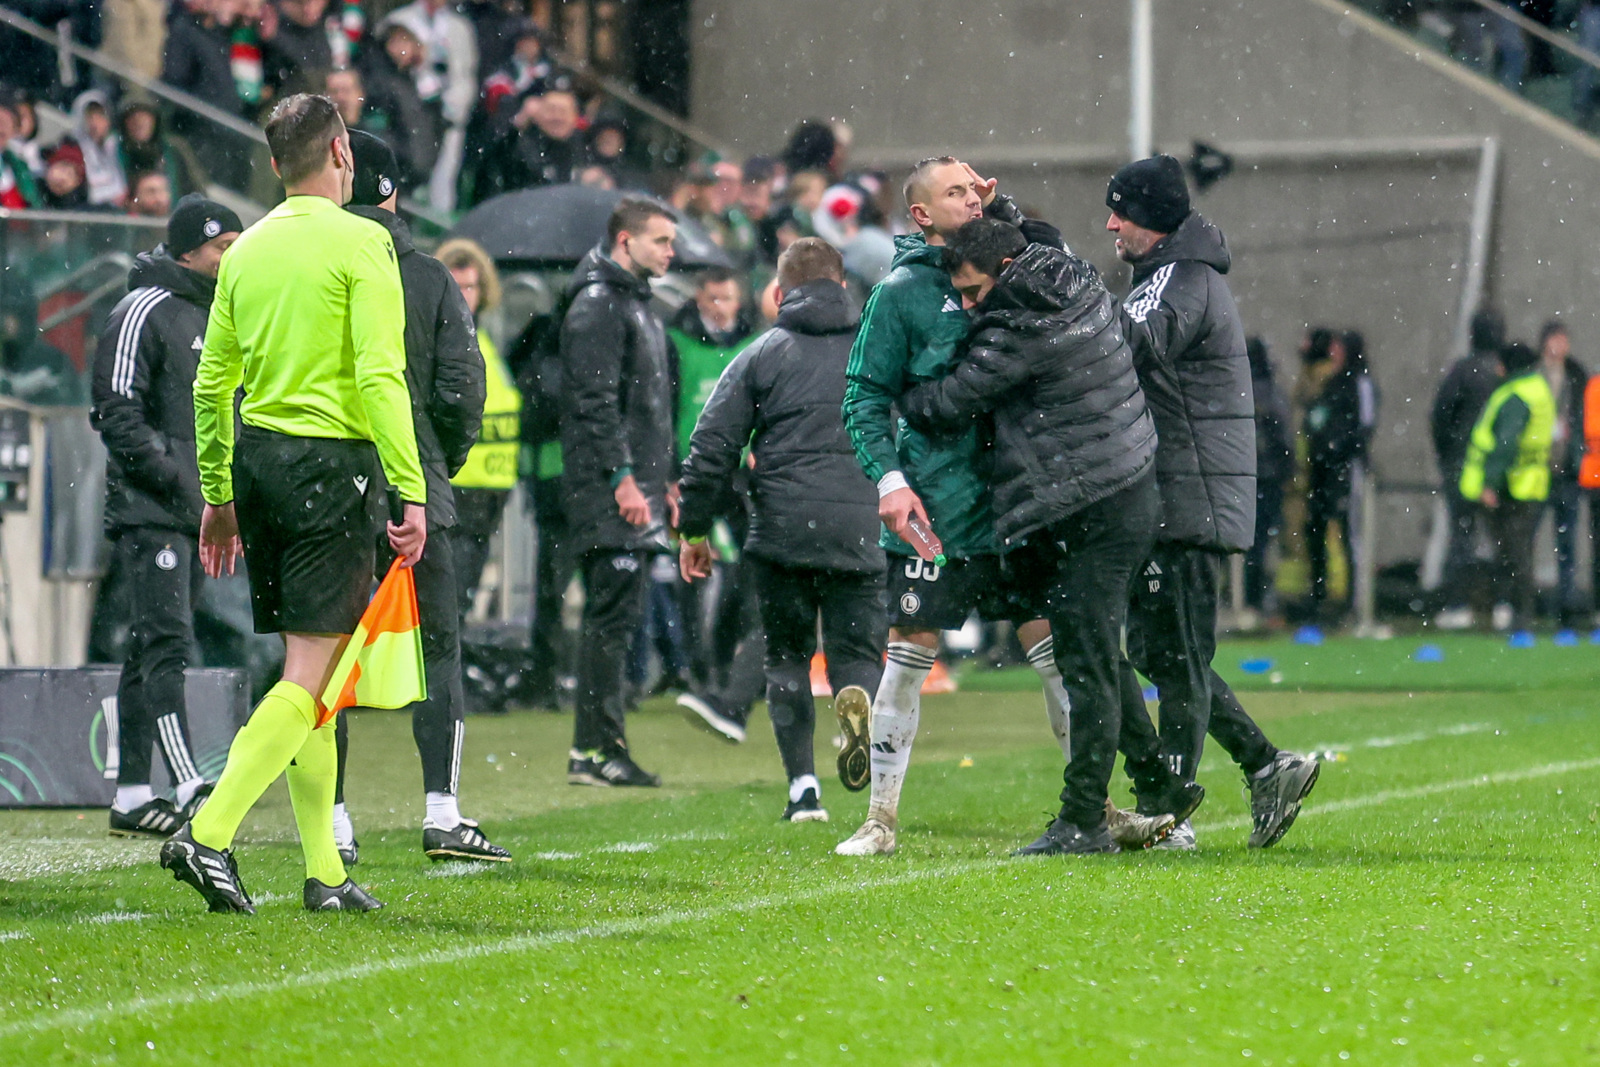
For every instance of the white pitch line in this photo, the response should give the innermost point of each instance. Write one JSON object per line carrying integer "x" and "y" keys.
{"x": 80, "y": 1017}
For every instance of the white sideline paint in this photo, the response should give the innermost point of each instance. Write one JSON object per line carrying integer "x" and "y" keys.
{"x": 80, "y": 1017}
{"x": 14, "y": 935}
{"x": 1458, "y": 730}
{"x": 117, "y": 917}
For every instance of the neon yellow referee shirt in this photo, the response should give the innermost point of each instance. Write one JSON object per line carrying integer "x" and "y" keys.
{"x": 309, "y": 316}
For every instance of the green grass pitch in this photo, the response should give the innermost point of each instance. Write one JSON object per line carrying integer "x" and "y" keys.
{"x": 1436, "y": 904}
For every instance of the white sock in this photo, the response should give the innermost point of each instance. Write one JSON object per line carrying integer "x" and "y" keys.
{"x": 132, "y": 796}
{"x": 798, "y": 787}
{"x": 186, "y": 790}
{"x": 1057, "y": 705}
{"x": 344, "y": 835}
{"x": 443, "y": 812}
{"x": 895, "y": 711}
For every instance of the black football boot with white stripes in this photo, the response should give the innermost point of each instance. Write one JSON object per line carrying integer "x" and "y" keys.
{"x": 153, "y": 818}
{"x": 465, "y": 842}
{"x": 213, "y": 874}
{"x": 347, "y": 896}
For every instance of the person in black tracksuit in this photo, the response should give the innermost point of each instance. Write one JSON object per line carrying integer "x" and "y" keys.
{"x": 143, "y": 399}
{"x": 1338, "y": 428}
{"x": 1274, "y": 471}
{"x": 813, "y": 539}
{"x": 618, "y": 480}
{"x": 1189, "y": 351}
{"x": 446, "y": 379}
{"x": 1074, "y": 495}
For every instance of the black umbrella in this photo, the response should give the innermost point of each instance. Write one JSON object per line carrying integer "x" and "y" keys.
{"x": 556, "y": 225}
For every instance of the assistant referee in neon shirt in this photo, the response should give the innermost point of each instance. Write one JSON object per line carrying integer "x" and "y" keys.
{"x": 309, "y": 317}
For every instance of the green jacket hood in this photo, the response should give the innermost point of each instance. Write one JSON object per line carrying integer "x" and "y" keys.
{"x": 913, "y": 250}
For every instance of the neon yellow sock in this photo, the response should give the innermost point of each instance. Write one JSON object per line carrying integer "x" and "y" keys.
{"x": 312, "y": 778}
{"x": 276, "y": 731}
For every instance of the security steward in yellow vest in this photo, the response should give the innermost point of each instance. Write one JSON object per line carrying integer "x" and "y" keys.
{"x": 484, "y": 484}
{"x": 1507, "y": 470}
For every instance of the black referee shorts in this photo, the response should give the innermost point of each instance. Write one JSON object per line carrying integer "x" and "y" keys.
{"x": 924, "y": 596}
{"x": 308, "y": 512}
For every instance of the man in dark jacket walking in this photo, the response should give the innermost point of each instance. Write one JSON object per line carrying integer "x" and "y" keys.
{"x": 813, "y": 534}
{"x": 143, "y": 385}
{"x": 446, "y": 379}
{"x": 1189, "y": 352}
{"x": 1456, "y": 407}
{"x": 618, "y": 489}
{"x": 1075, "y": 499}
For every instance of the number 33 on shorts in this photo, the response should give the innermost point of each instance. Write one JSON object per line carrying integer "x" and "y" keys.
{"x": 918, "y": 568}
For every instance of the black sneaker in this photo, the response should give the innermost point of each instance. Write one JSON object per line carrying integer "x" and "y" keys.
{"x": 1062, "y": 838}
{"x": 345, "y": 897}
{"x": 621, "y": 770}
{"x": 465, "y": 842}
{"x": 201, "y": 795}
{"x": 213, "y": 874}
{"x": 807, "y": 809}
{"x": 351, "y": 853}
{"x": 583, "y": 768}
{"x": 1275, "y": 799}
{"x": 154, "y": 818}
{"x": 706, "y": 710}
{"x": 1179, "y": 799}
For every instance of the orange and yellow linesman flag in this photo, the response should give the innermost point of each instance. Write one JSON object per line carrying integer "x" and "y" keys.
{"x": 382, "y": 665}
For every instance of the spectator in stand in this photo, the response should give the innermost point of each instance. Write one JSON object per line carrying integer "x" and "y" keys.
{"x": 596, "y": 177}
{"x": 448, "y": 75}
{"x": 145, "y": 147}
{"x": 751, "y": 241}
{"x": 496, "y": 26}
{"x": 92, "y": 133}
{"x": 298, "y": 54}
{"x": 526, "y": 72}
{"x": 1567, "y": 379}
{"x": 66, "y": 187}
{"x": 135, "y": 32}
{"x": 543, "y": 146}
{"x": 25, "y": 141}
{"x": 199, "y": 60}
{"x": 345, "y": 88}
{"x": 152, "y": 195}
{"x": 1507, "y": 470}
{"x": 395, "y": 109}
{"x": 608, "y": 148}
{"x": 1274, "y": 472}
{"x": 1338, "y": 431}
{"x": 26, "y": 62}
{"x": 1462, "y": 395}
{"x": 17, "y": 186}
{"x": 867, "y": 248}
{"x": 812, "y": 146}
{"x": 797, "y": 217}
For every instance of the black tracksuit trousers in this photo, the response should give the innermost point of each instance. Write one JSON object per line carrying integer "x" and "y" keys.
{"x": 855, "y": 630}
{"x": 162, "y": 572}
{"x": 1172, "y": 638}
{"x": 437, "y": 721}
{"x": 615, "y": 581}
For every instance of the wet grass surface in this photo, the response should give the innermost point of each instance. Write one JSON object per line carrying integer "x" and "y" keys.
{"x": 1436, "y": 904}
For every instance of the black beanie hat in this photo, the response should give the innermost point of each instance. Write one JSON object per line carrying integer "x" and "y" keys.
{"x": 1518, "y": 358}
{"x": 1150, "y": 193}
{"x": 377, "y": 171}
{"x": 196, "y": 220}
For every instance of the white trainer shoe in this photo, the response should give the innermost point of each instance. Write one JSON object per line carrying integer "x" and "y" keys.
{"x": 1454, "y": 619}
{"x": 875, "y": 838}
{"x": 1181, "y": 839}
{"x": 1130, "y": 830}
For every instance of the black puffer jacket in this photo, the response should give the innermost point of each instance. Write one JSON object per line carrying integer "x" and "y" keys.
{"x": 616, "y": 405}
{"x": 444, "y": 369}
{"x": 143, "y": 396}
{"x": 1188, "y": 347}
{"x": 813, "y": 506}
{"x": 1048, "y": 358}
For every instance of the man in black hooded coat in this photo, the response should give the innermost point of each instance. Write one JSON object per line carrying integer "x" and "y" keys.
{"x": 1189, "y": 350}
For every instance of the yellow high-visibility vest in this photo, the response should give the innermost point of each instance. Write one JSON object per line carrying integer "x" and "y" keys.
{"x": 492, "y": 463}
{"x": 1529, "y": 476}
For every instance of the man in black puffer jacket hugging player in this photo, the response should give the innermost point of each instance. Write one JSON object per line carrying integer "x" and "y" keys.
{"x": 1074, "y": 486}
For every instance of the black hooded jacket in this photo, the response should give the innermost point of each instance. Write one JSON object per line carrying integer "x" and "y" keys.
{"x": 1188, "y": 347}
{"x": 782, "y": 396}
{"x": 616, "y": 405}
{"x": 142, "y": 396}
{"x": 1048, "y": 358}
{"x": 444, "y": 369}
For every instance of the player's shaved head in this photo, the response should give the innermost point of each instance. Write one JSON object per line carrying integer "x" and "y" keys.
{"x": 917, "y": 189}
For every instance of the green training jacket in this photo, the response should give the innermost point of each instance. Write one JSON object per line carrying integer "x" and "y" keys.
{"x": 911, "y": 331}
{"x": 309, "y": 316}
